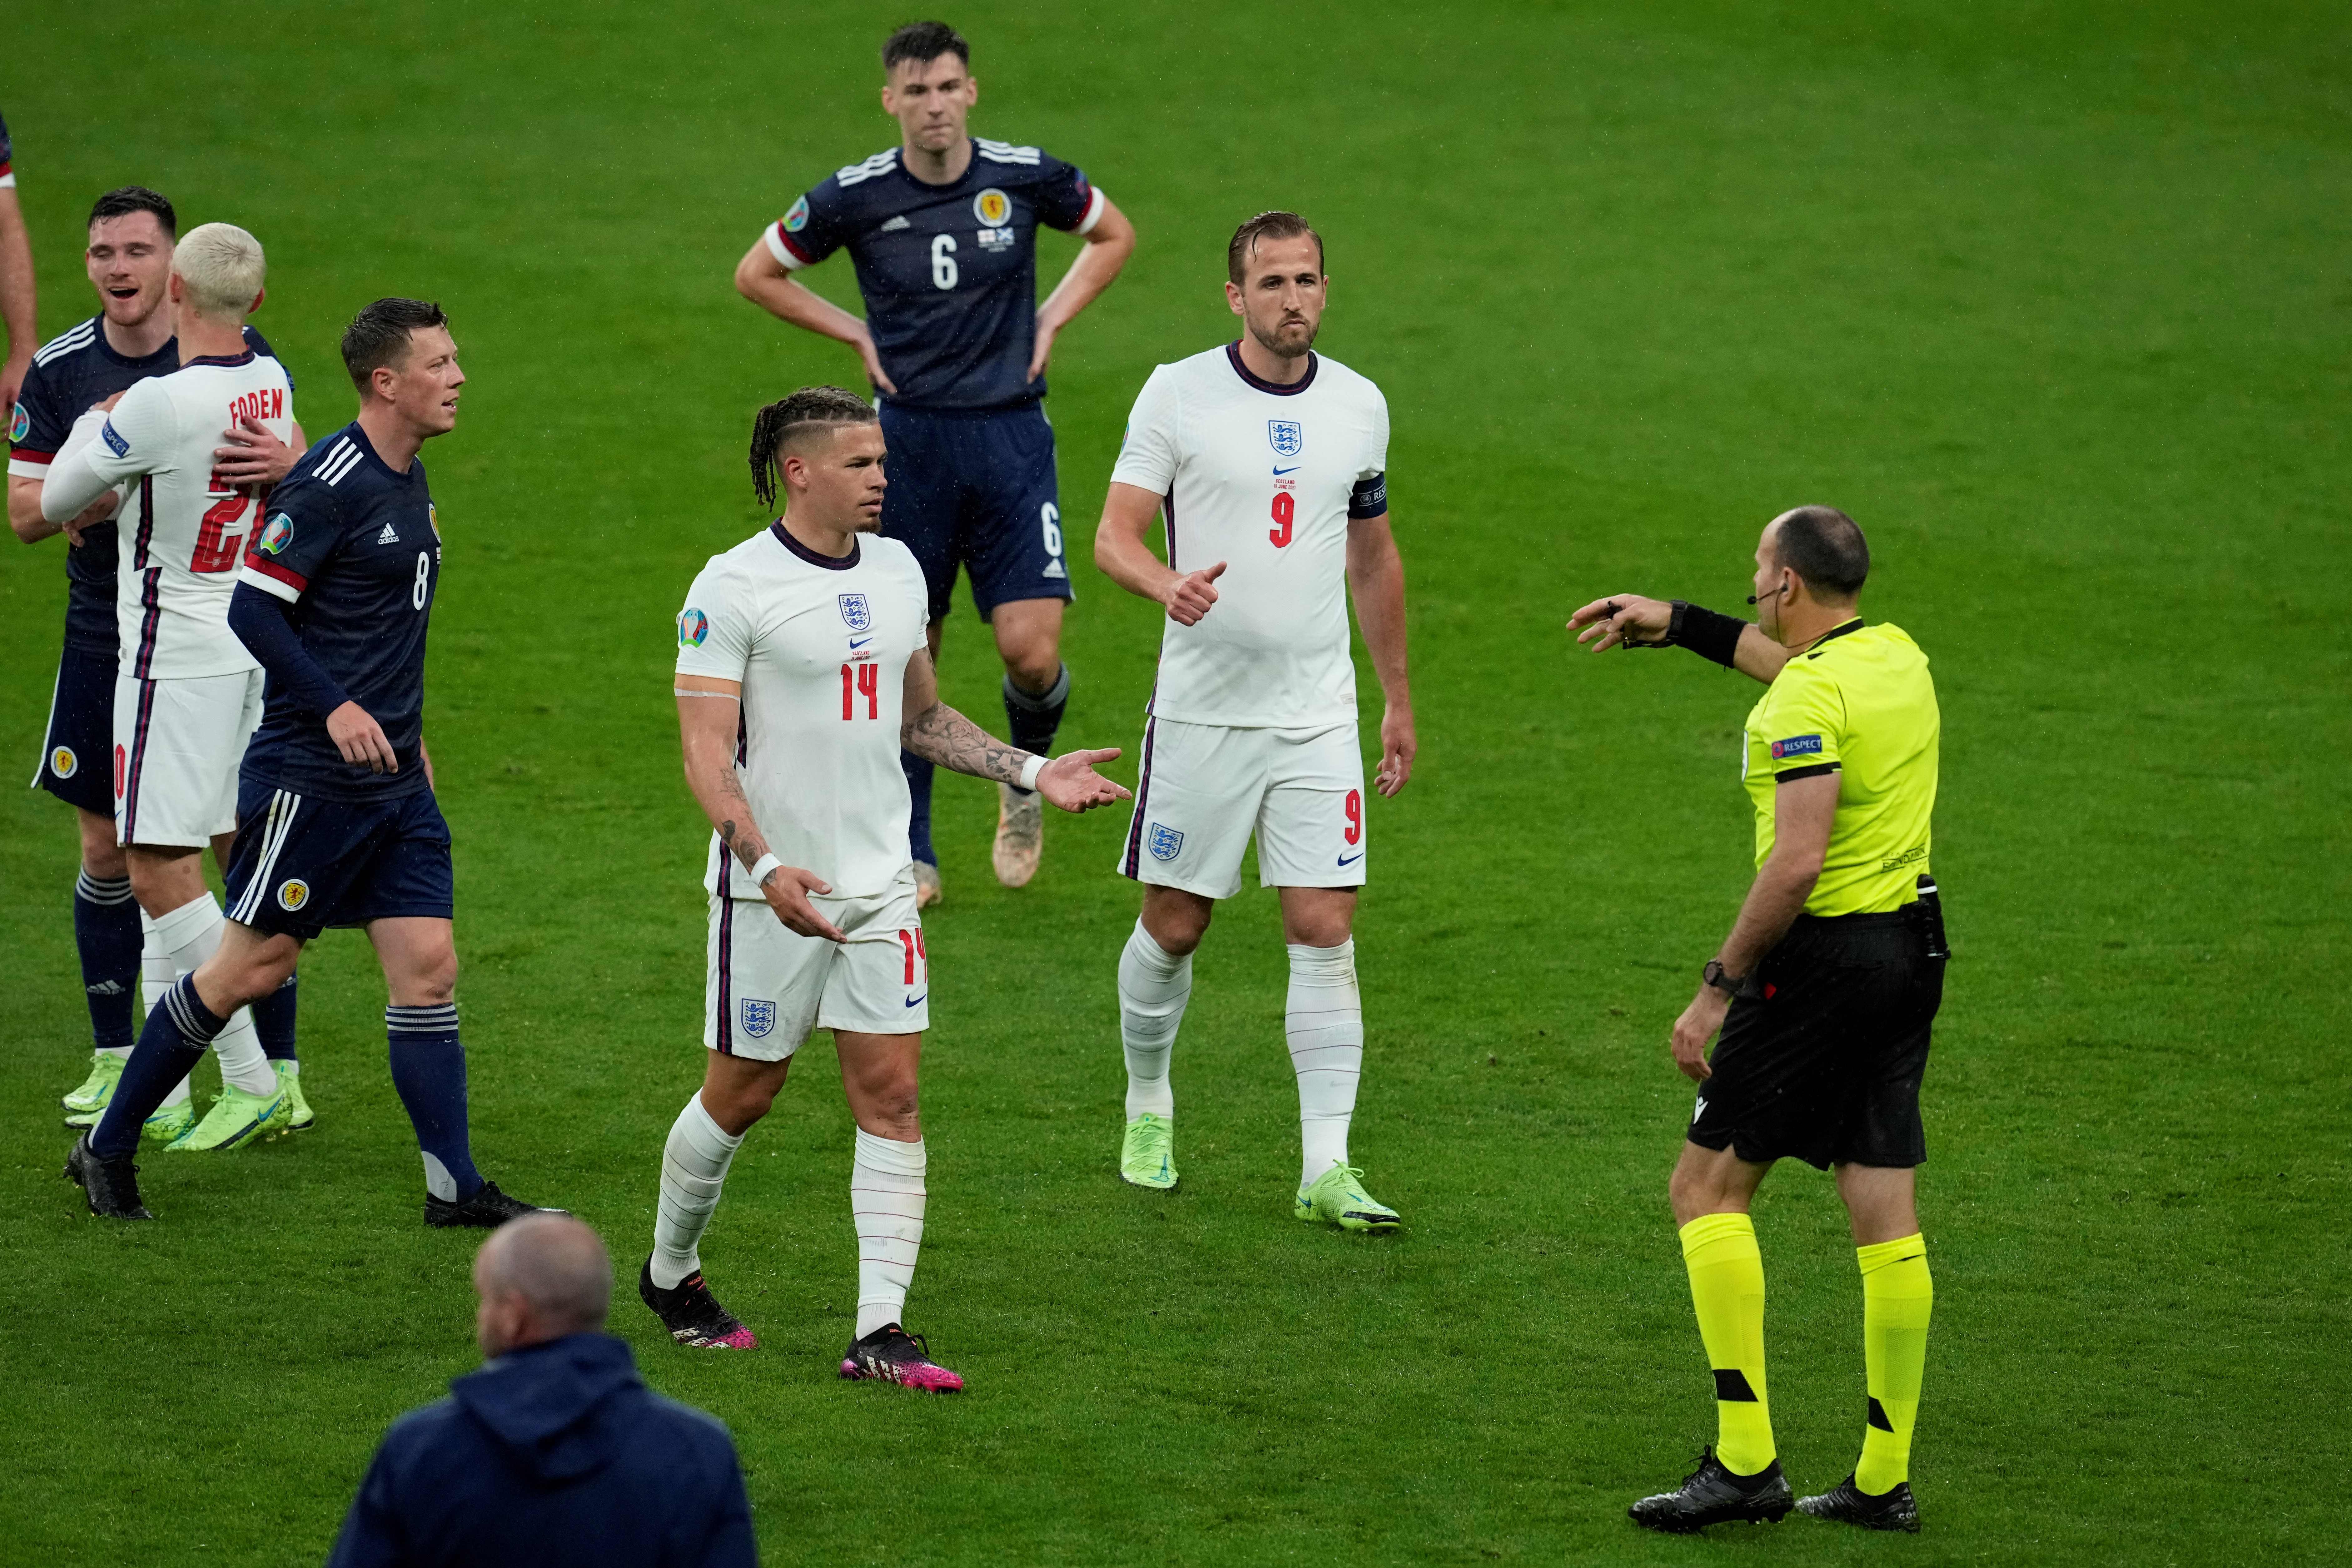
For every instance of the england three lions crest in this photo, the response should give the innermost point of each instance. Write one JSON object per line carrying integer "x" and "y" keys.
{"x": 1165, "y": 842}
{"x": 1287, "y": 435}
{"x": 855, "y": 613}
{"x": 759, "y": 1017}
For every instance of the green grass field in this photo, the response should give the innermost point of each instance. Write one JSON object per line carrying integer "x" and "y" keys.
{"x": 2050, "y": 296}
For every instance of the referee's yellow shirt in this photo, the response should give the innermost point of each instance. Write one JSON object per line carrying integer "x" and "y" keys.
{"x": 1859, "y": 702}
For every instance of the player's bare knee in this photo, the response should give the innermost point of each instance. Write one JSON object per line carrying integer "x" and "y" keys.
{"x": 1176, "y": 919}
{"x": 100, "y": 855}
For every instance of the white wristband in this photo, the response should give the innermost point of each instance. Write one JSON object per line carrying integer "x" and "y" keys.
{"x": 761, "y": 867}
{"x": 1029, "y": 771}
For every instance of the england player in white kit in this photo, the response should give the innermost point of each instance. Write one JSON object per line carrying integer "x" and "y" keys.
{"x": 802, "y": 670}
{"x": 1267, "y": 465}
{"x": 187, "y": 694}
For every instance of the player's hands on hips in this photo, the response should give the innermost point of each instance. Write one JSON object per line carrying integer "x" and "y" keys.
{"x": 787, "y": 890}
{"x": 1397, "y": 744}
{"x": 874, "y": 371}
{"x": 253, "y": 455}
{"x": 1189, "y": 596}
{"x": 1044, "y": 348}
{"x": 1071, "y": 783}
{"x": 1621, "y": 618}
{"x": 361, "y": 739}
{"x": 1695, "y": 1028}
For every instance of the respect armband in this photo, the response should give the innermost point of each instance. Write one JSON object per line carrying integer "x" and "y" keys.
{"x": 1705, "y": 632}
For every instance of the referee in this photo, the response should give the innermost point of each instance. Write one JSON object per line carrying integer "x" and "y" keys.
{"x": 1826, "y": 992}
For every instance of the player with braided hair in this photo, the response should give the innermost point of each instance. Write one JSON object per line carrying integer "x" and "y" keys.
{"x": 802, "y": 670}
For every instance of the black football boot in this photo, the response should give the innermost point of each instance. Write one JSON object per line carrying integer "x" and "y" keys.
{"x": 1848, "y": 1504}
{"x": 110, "y": 1188}
{"x": 1713, "y": 1495}
{"x": 487, "y": 1210}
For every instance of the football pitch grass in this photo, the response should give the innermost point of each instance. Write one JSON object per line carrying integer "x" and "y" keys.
{"x": 2052, "y": 298}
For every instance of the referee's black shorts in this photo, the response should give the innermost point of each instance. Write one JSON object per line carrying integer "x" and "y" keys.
{"x": 1825, "y": 1066}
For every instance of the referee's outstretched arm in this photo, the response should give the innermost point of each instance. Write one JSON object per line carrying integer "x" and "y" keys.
{"x": 1629, "y": 621}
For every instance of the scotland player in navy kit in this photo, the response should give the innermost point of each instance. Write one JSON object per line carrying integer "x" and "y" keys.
{"x": 131, "y": 235}
{"x": 337, "y": 820}
{"x": 942, "y": 230}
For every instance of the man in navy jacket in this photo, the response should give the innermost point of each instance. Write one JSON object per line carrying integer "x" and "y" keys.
{"x": 555, "y": 1451}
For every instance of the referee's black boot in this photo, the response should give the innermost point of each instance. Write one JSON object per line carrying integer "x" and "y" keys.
{"x": 110, "y": 1188}
{"x": 1848, "y": 1504}
{"x": 1713, "y": 1495}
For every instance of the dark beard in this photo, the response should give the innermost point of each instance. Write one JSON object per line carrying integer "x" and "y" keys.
{"x": 1271, "y": 347}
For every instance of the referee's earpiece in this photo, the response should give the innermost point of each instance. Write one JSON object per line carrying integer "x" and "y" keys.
{"x": 1753, "y": 598}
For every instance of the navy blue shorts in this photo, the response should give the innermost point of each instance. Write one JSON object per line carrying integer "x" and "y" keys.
{"x": 80, "y": 741}
{"x": 302, "y": 864}
{"x": 976, "y": 490}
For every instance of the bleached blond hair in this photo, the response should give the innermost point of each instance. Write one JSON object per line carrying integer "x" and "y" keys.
{"x": 222, "y": 268}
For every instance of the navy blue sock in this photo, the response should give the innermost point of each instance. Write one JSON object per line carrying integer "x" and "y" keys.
{"x": 429, "y": 1072}
{"x": 1033, "y": 720}
{"x": 273, "y": 1021}
{"x": 105, "y": 929}
{"x": 168, "y": 1049}
{"x": 918, "y": 821}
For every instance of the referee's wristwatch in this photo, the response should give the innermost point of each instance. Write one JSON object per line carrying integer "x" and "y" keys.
{"x": 1730, "y": 984}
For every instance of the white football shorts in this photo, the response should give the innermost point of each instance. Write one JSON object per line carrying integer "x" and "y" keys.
{"x": 177, "y": 744}
{"x": 1204, "y": 788}
{"x": 767, "y": 987}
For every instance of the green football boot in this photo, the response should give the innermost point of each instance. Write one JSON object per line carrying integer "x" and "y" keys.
{"x": 236, "y": 1120}
{"x": 1337, "y": 1197}
{"x": 1146, "y": 1156}
{"x": 105, "y": 1072}
{"x": 167, "y": 1125}
{"x": 289, "y": 1078}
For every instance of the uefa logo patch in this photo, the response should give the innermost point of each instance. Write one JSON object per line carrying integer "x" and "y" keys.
{"x": 114, "y": 439}
{"x": 64, "y": 763}
{"x": 1797, "y": 745}
{"x": 759, "y": 1017}
{"x": 293, "y": 893}
{"x": 797, "y": 219}
{"x": 1286, "y": 437}
{"x": 991, "y": 207}
{"x": 21, "y": 424}
{"x": 277, "y": 534}
{"x": 1164, "y": 842}
{"x": 693, "y": 626}
{"x": 855, "y": 613}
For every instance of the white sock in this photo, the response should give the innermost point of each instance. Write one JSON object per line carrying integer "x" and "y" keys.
{"x": 189, "y": 934}
{"x": 1153, "y": 986}
{"x": 1324, "y": 1019}
{"x": 886, "y": 1199}
{"x": 155, "y": 978}
{"x": 694, "y": 1169}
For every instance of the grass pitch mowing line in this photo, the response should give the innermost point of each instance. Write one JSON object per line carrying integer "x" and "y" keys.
{"x": 2052, "y": 302}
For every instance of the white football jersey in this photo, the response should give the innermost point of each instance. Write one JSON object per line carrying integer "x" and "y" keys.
{"x": 1265, "y": 479}
{"x": 182, "y": 534}
{"x": 820, "y": 649}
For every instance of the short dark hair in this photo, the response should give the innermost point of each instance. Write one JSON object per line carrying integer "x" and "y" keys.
{"x": 378, "y": 336}
{"x": 1267, "y": 226}
{"x": 1825, "y": 547}
{"x": 923, "y": 42}
{"x": 811, "y": 408}
{"x": 125, "y": 199}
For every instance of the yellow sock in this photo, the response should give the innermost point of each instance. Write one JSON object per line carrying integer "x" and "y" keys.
{"x": 1727, "y": 1276}
{"x": 1897, "y": 1295}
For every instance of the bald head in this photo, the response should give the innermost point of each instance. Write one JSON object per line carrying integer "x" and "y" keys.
{"x": 540, "y": 1277}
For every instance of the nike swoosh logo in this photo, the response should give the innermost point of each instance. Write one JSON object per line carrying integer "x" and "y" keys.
{"x": 1352, "y": 860}
{"x": 1292, "y": 469}
{"x": 912, "y": 1001}
{"x": 859, "y": 642}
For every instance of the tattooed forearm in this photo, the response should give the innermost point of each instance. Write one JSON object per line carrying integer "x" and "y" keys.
{"x": 939, "y": 734}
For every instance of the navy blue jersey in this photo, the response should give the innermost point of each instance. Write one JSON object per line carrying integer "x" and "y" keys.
{"x": 948, "y": 272}
{"x": 71, "y": 373}
{"x": 354, "y": 547}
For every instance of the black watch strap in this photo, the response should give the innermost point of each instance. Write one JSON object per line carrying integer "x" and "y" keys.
{"x": 1722, "y": 980}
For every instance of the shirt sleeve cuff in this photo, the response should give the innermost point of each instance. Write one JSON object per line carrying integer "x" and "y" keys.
{"x": 275, "y": 580}
{"x": 29, "y": 465}
{"x": 1811, "y": 770}
{"x": 1095, "y": 202}
{"x": 8, "y": 179}
{"x": 782, "y": 248}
